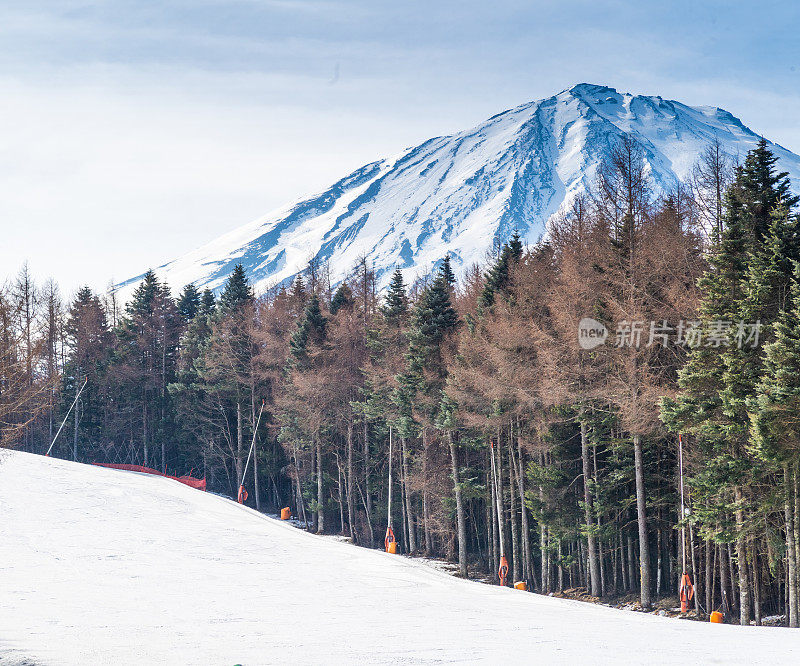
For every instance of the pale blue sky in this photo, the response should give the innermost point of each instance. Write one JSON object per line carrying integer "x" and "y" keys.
{"x": 135, "y": 130}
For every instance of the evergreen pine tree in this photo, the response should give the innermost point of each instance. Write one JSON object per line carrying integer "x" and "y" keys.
{"x": 432, "y": 319}
{"x": 744, "y": 287}
{"x": 763, "y": 189}
{"x": 90, "y": 355}
{"x": 189, "y": 302}
{"x": 144, "y": 295}
{"x": 498, "y": 276}
{"x": 396, "y": 305}
{"x": 237, "y": 290}
{"x": 446, "y": 271}
{"x": 208, "y": 303}
{"x": 776, "y": 404}
{"x": 298, "y": 296}
{"x": 775, "y": 426}
{"x": 515, "y": 246}
{"x": 311, "y": 328}
{"x": 342, "y": 298}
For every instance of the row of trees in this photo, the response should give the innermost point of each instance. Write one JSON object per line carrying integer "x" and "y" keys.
{"x": 472, "y": 417}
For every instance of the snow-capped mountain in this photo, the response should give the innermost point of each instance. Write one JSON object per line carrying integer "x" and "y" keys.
{"x": 462, "y": 193}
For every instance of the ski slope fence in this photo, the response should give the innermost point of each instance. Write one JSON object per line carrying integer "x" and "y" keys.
{"x": 200, "y": 484}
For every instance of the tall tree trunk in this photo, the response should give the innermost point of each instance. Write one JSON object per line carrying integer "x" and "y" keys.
{"x": 724, "y": 585}
{"x": 163, "y": 405}
{"x": 526, "y": 531}
{"x": 695, "y": 580}
{"x": 543, "y": 540}
{"x": 301, "y": 505}
{"x": 341, "y": 495}
{"x": 741, "y": 562}
{"x": 644, "y": 549}
{"x": 403, "y": 512}
{"x": 77, "y": 409}
{"x": 709, "y": 601}
{"x": 254, "y": 423}
{"x": 389, "y": 497}
{"x": 239, "y": 445}
{"x": 623, "y": 565}
{"x": 500, "y": 505}
{"x": 367, "y": 483}
{"x": 320, "y": 496}
{"x": 733, "y": 579}
{"x": 631, "y": 563}
{"x": 796, "y": 491}
{"x": 658, "y": 559}
{"x": 460, "y": 517}
{"x": 351, "y": 507}
{"x": 412, "y": 538}
{"x": 789, "y": 519}
{"x": 491, "y": 505}
{"x": 512, "y": 494}
{"x": 144, "y": 427}
{"x": 255, "y": 474}
{"x": 425, "y": 516}
{"x": 594, "y": 568}
{"x": 756, "y": 586}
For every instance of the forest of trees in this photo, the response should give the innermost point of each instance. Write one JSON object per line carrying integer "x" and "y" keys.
{"x": 506, "y": 434}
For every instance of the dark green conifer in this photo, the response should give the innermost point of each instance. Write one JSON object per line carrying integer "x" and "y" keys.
{"x": 396, "y": 306}
{"x": 311, "y": 329}
{"x": 342, "y": 298}
{"x": 498, "y": 276}
{"x": 237, "y": 291}
{"x": 208, "y": 304}
{"x": 446, "y": 271}
{"x": 189, "y": 302}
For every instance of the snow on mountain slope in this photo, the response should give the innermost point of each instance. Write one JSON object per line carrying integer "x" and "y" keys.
{"x": 99, "y": 566}
{"x": 461, "y": 193}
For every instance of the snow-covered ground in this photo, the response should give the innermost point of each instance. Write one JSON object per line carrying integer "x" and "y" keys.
{"x": 99, "y": 566}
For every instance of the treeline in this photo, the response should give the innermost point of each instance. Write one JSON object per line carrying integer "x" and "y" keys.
{"x": 530, "y": 411}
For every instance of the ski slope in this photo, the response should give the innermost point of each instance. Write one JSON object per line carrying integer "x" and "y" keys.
{"x": 99, "y": 566}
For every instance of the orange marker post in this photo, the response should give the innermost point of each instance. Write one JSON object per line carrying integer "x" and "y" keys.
{"x": 389, "y": 542}
{"x": 502, "y": 572}
{"x": 687, "y": 592}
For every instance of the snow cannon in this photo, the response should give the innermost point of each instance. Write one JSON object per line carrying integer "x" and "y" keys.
{"x": 286, "y": 513}
{"x": 521, "y": 585}
{"x": 716, "y": 617}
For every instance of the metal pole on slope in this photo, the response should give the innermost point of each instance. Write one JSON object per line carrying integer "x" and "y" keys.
{"x": 502, "y": 570}
{"x": 389, "y": 542}
{"x": 683, "y": 505}
{"x": 69, "y": 411}
{"x": 242, "y": 496}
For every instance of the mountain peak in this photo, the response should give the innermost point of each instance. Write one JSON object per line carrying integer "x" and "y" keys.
{"x": 581, "y": 89}
{"x": 467, "y": 192}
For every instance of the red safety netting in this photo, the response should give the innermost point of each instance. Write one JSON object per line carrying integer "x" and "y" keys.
{"x": 200, "y": 484}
